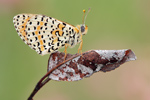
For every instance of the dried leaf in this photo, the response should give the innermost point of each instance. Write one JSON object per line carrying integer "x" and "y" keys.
{"x": 78, "y": 67}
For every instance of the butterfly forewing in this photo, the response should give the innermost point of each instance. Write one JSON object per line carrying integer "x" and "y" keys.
{"x": 43, "y": 34}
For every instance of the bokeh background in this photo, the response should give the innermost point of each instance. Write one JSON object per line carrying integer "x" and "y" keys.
{"x": 113, "y": 24}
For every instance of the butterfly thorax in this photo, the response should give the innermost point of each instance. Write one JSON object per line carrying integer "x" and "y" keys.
{"x": 76, "y": 35}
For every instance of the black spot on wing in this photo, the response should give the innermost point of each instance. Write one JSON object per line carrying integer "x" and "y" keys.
{"x": 34, "y": 27}
{"x": 44, "y": 41}
{"x": 28, "y": 29}
{"x": 38, "y": 43}
{"x": 42, "y": 18}
{"x": 45, "y": 24}
{"x": 38, "y": 23}
{"x": 53, "y": 22}
{"x": 35, "y": 17}
{"x": 66, "y": 41}
{"x": 53, "y": 48}
{"x": 30, "y": 23}
{"x": 56, "y": 49}
{"x": 49, "y": 44}
{"x": 72, "y": 31}
{"x": 36, "y": 38}
{"x": 74, "y": 36}
{"x": 49, "y": 50}
{"x": 59, "y": 39}
{"x": 42, "y": 36}
{"x": 58, "y": 44}
{"x": 34, "y": 45}
{"x": 47, "y": 20}
{"x": 64, "y": 24}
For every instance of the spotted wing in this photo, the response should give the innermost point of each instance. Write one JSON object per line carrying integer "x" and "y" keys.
{"x": 43, "y": 34}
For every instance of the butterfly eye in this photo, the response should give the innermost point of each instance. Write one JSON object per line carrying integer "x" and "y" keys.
{"x": 82, "y": 29}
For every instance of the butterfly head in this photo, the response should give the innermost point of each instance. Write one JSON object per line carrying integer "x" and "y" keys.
{"x": 84, "y": 29}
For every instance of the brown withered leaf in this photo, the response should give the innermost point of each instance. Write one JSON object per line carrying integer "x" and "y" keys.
{"x": 77, "y": 67}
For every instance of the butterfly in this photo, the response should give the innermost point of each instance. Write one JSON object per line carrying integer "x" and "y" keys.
{"x": 46, "y": 34}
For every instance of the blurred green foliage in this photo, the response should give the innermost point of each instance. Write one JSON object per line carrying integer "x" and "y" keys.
{"x": 113, "y": 24}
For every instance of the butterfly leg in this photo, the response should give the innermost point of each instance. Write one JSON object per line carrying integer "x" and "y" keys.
{"x": 81, "y": 43}
{"x": 65, "y": 51}
{"x": 80, "y": 47}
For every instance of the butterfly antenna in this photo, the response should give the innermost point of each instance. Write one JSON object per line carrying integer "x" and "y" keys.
{"x": 83, "y": 17}
{"x": 86, "y": 15}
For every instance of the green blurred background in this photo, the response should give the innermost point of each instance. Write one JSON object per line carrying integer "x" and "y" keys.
{"x": 113, "y": 24}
